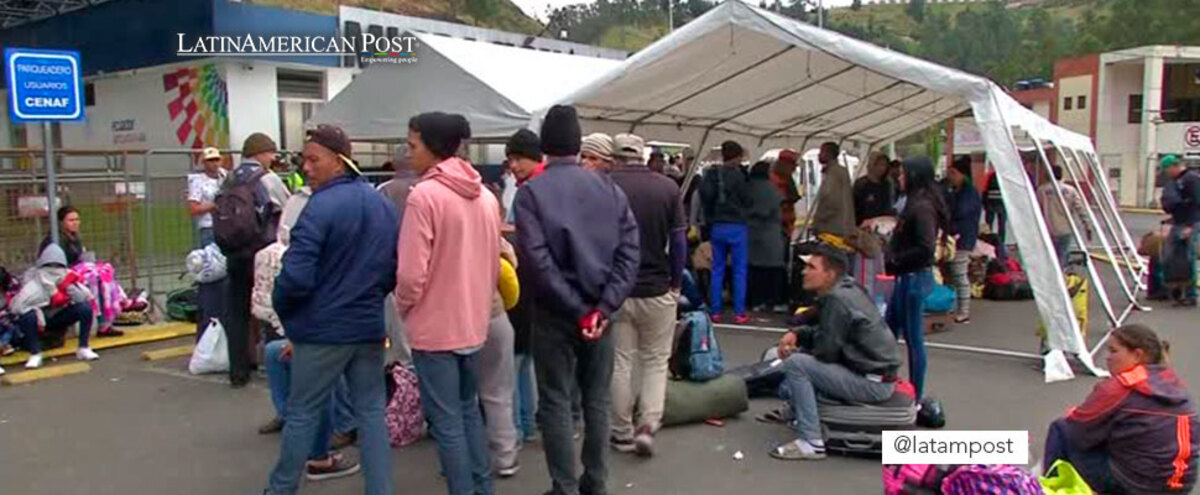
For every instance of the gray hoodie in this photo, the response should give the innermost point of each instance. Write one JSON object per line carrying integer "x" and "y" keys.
{"x": 40, "y": 283}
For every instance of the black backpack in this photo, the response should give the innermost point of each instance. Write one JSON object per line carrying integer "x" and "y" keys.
{"x": 237, "y": 225}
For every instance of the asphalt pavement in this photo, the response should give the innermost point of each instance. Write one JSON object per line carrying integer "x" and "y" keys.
{"x": 135, "y": 427}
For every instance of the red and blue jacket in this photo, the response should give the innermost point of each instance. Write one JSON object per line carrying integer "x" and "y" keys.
{"x": 1146, "y": 421}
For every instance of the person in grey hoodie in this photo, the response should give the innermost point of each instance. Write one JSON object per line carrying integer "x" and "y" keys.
{"x": 52, "y": 298}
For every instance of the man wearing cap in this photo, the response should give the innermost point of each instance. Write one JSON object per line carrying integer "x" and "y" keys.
{"x": 202, "y": 194}
{"x": 645, "y": 324}
{"x": 576, "y": 233}
{"x": 782, "y": 176}
{"x": 596, "y": 152}
{"x": 340, "y": 265}
{"x": 1181, "y": 198}
{"x": 850, "y": 355}
{"x": 258, "y": 153}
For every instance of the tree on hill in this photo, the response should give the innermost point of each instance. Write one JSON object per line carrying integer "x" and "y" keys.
{"x": 916, "y": 10}
{"x": 856, "y": 5}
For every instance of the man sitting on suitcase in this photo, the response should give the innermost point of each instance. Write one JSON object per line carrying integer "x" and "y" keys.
{"x": 849, "y": 355}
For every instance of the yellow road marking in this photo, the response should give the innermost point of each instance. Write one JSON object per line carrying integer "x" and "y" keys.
{"x": 168, "y": 353}
{"x": 142, "y": 335}
{"x": 45, "y": 373}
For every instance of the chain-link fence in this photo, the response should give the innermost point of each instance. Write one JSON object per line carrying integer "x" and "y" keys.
{"x": 132, "y": 205}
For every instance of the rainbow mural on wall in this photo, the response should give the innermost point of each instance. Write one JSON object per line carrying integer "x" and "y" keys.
{"x": 198, "y": 106}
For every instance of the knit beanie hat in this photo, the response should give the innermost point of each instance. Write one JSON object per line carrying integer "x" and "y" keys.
{"x": 560, "y": 131}
{"x": 598, "y": 143}
{"x": 525, "y": 144}
{"x": 258, "y": 143}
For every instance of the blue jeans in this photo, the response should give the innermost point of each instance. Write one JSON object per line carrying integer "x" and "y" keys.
{"x": 806, "y": 376}
{"x": 450, "y": 400}
{"x": 906, "y": 317}
{"x": 1062, "y": 246}
{"x": 316, "y": 369}
{"x": 1092, "y": 464}
{"x": 729, "y": 238}
{"x": 340, "y": 417}
{"x": 204, "y": 237}
{"x": 1170, "y": 245}
{"x": 525, "y": 397}
{"x": 59, "y": 323}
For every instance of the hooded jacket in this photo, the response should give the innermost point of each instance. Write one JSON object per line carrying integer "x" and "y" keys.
{"x": 725, "y": 194}
{"x": 578, "y": 239}
{"x": 1146, "y": 421}
{"x": 40, "y": 283}
{"x": 339, "y": 265}
{"x": 914, "y": 242}
{"x": 851, "y": 332}
{"x": 449, "y": 259}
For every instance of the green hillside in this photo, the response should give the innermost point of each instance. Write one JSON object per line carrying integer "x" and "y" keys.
{"x": 496, "y": 14}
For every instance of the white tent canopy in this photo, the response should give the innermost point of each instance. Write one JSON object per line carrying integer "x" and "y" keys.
{"x": 494, "y": 86}
{"x": 767, "y": 81}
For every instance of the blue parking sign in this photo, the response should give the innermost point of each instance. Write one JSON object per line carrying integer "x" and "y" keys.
{"x": 43, "y": 85}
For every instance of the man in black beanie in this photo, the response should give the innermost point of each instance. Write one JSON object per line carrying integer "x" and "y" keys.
{"x": 576, "y": 232}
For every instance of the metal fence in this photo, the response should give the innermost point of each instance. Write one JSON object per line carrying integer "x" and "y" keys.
{"x": 132, "y": 204}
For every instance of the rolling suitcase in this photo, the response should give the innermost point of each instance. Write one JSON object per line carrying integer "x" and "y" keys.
{"x": 855, "y": 429}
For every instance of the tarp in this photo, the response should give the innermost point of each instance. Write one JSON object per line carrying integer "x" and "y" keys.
{"x": 767, "y": 81}
{"x": 494, "y": 86}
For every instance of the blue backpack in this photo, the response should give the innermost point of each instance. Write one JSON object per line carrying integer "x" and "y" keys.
{"x": 697, "y": 356}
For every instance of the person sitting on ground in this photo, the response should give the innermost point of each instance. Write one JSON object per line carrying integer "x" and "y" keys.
{"x": 1135, "y": 433}
{"x": 52, "y": 298}
{"x": 849, "y": 355}
{"x": 107, "y": 295}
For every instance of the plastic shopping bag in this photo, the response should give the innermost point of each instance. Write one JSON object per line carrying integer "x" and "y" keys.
{"x": 212, "y": 352}
{"x": 1064, "y": 480}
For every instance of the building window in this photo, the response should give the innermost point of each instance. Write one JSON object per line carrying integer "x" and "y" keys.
{"x": 89, "y": 95}
{"x": 1081, "y": 103}
{"x": 1135, "y": 109}
{"x": 1067, "y": 103}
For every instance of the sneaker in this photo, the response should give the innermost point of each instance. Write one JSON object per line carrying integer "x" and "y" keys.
{"x": 643, "y": 442}
{"x": 962, "y": 319}
{"x": 35, "y": 361}
{"x": 1, "y": 371}
{"x": 741, "y": 319}
{"x": 340, "y": 467}
{"x": 718, "y": 318}
{"x": 273, "y": 426}
{"x": 625, "y": 445}
{"x": 343, "y": 440}
{"x": 7, "y": 350}
{"x": 509, "y": 471}
{"x": 86, "y": 354}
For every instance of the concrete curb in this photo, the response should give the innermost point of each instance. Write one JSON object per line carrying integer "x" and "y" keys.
{"x": 143, "y": 335}
{"x": 168, "y": 353}
{"x": 45, "y": 373}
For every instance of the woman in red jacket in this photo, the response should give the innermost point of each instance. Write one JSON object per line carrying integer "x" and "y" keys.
{"x": 1134, "y": 433}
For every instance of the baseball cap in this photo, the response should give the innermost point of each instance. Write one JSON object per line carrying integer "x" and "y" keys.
{"x": 211, "y": 153}
{"x": 1170, "y": 160}
{"x": 333, "y": 138}
{"x": 628, "y": 146}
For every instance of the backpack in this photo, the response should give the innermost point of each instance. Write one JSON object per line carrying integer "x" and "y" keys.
{"x": 696, "y": 356}
{"x": 995, "y": 479}
{"x": 237, "y": 224}
{"x": 182, "y": 305}
{"x": 403, "y": 416}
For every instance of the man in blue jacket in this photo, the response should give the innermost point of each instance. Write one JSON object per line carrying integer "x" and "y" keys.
{"x": 340, "y": 265}
{"x": 1181, "y": 198}
{"x": 576, "y": 233}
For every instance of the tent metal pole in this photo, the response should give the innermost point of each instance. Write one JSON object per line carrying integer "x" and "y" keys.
{"x": 835, "y": 109}
{"x": 1098, "y": 176}
{"x": 908, "y": 130}
{"x": 1099, "y": 233}
{"x": 1062, "y": 201}
{"x": 1073, "y": 162}
{"x": 713, "y": 85}
{"x": 867, "y": 114}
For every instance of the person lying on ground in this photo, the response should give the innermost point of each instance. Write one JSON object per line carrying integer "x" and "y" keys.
{"x": 1135, "y": 433}
{"x": 53, "y": 298}
{"x": 848, "y": 355}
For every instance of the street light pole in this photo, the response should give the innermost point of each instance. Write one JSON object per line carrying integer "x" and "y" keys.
{"x": 670, "y": 16}
{"x": 821, "y": 14}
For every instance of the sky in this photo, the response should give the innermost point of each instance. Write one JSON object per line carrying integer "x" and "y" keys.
{"x": 540, "y": 8}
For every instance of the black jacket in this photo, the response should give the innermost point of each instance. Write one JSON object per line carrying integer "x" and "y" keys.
{"x": 914, "y": 242}
{"x": 850, "y": 332}
{"x": 1180, "y": 198}
{"x": 725, "y": 195}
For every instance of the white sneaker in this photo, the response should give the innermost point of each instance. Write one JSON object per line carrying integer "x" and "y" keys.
{"x": 1, "y": 371}
{"x": 86, "y": 354}
{"x": 35, "y": 361}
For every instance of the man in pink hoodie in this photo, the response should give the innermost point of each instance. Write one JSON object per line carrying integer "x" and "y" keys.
{"x": 448, "y": 264}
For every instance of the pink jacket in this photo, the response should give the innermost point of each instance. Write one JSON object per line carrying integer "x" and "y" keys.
{"x": 449, "y": 259}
